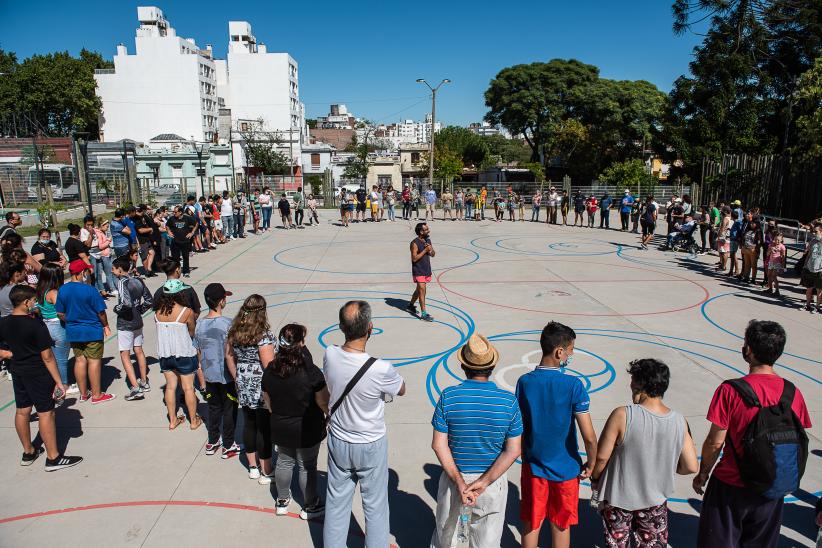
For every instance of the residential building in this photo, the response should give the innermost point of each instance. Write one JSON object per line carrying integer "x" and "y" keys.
{"x": 384, "y": 171}
{"x": 261, "y": 86}
{"x": 486, "y": 129}
{"x": 411, "y": 160}
{"x": 316, "y": 158}
{"x": 338, "y": 118}
{"x": 170, "y": 165}
{"x": 169, "y": 82}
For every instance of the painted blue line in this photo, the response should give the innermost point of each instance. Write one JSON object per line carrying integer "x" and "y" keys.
{"x": 729, "y": 332}
{"x": 498, "y": 243}
{"x": 276, "y": 259}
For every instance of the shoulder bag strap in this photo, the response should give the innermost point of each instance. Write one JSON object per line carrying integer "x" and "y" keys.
{"x": 354, "y": 380}
{"x": 788, "y": 391}
{"x": 745, "y": 392}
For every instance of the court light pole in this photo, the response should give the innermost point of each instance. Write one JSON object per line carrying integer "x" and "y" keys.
{"x": 433, "y": 122}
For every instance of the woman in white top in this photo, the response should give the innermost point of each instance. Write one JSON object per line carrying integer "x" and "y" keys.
{"x": 640, "y": 449}
{"x": 266, "y": 207}
{"x": 176, "y": 352}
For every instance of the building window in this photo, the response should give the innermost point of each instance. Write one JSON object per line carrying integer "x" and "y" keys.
{"x": 244, "y": 126}
{"x": 415, "y": 157}
{"x": 315, "y": 160}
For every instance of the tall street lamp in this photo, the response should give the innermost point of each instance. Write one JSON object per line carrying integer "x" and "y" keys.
{"x": 433, "y": 122}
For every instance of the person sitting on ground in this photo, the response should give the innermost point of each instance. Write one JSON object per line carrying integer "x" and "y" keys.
{"x": 36, "y": 380}
{"x": 640, "y": 449}
{"x": 477, "y": 437}
{"x": 681, "y": 231}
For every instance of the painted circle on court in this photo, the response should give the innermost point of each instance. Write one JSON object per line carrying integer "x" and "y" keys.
{"x": 573, "y": 247}
{"x": 350, "y": 247}
{"x": 441, "y": 280}
{"x": 593, "y": 382}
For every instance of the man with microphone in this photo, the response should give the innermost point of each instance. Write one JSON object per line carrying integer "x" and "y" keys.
{"x": 421, "y": 253}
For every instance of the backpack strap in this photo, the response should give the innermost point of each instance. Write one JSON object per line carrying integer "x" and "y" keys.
{"x": 788, "y": 392}
{"x": 745, "y": 392}
{"x": 354, "y": 380}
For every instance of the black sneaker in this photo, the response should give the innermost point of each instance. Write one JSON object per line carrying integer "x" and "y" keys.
{"x": 62, "y": 461}
{"x": 411, "y": 309}
{"x": 311, "y": 512}
{"x": 29, "y": 458}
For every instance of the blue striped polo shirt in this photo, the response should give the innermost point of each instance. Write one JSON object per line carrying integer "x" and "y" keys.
{"x": 478, "y": 417}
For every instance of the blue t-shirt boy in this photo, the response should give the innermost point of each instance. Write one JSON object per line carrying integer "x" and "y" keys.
{"x": 81, "y": 304}
{"x": 549, "y": 399}
{"x": 209, "y": 338}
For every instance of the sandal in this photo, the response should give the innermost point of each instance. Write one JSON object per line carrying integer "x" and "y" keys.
{"x": 197, "y": 422}
{"x": 176, "y": 422}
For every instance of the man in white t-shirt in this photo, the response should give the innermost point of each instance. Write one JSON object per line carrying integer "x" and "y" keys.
{"x": 227, "y": 216}
{"x": 357, "y": 445}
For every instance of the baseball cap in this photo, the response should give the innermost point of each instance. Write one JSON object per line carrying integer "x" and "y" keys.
{"x": 215, "y": 292}
{"x": 173, "y": 286}
{"x": 736, "y": 202}
{"x": 78, "y": 265}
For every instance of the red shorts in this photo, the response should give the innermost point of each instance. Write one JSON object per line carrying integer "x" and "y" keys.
{"x": 541, "y": 498}
{"x": 422, "y": 279}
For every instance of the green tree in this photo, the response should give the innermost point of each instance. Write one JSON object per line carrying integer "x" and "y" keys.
{"x": 464, "y": 142}
{"x": 505, "y": 150}
{"x": 447, "y": 163}
{"x": 45, "y": 152}
{"x": 56, "y": 90}
{"x": 632, "y": 174}
{"x": 261, "y": 151}
{"x": 530, "y": 99}
{"x": 809, "y": 123}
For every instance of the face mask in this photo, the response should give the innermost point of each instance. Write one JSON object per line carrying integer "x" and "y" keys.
{"x": 45, "y": 242}
{"x": 566, "y": 362}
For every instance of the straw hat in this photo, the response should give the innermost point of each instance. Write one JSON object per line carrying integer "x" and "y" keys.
{"x": 478, "y": 353}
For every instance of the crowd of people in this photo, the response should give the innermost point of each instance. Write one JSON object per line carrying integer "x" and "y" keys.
{"x": 289, "y": 406}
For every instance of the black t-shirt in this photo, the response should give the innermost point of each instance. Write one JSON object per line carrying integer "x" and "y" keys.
{"x": 73, "y": 249}
{"x": 648, "y": 214}
{"x": 181, "y": 227}
{"x": 142, "y": 222}
{"x": 296, "y": 419}
{"x": 284, "y": 206}
{"x": 190, "y": 298}
{"x": 579, "y": 202}
{"x": 361, "y": 195}
{"x": 49, "y": 252}
{"x": 25, "y": 337}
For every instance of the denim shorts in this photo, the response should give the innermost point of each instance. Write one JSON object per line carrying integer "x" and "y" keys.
{"x": 183, "y": 366}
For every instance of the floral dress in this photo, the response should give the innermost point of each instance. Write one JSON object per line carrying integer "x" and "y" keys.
{"x": 250, "y": 372}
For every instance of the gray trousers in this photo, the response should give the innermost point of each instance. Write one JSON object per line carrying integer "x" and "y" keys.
{"x": 487, "y": 514}
{"x": 349, "y": 464}
{"x": 228, "y": 225}
{"x": 306, "y": 461}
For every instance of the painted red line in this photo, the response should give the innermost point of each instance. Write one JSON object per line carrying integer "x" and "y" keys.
{"x": 135, "y": 503}
{"x": 705, "y": 292}
{"x": 476, "y": 282}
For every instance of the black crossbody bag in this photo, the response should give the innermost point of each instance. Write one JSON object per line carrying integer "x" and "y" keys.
{"x": 350, "y": 386}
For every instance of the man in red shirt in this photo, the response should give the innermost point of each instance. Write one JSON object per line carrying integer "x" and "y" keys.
{"x": 731, "y": 514}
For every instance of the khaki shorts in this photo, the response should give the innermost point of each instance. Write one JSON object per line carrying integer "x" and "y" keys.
{"x": 90, "y": 350}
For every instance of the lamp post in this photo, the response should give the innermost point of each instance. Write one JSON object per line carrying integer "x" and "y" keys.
{"x": 433, "y": 122}
{"x": 200, "y": 170}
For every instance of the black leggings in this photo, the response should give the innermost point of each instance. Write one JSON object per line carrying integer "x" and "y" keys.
{"x": 257, "y": 432}
{"x": 703, "y": 234}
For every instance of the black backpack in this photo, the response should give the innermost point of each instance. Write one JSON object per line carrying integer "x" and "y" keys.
{"x": 774, "y": 447}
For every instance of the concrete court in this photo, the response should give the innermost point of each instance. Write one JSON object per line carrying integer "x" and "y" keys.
{"x": 142, "y": 485}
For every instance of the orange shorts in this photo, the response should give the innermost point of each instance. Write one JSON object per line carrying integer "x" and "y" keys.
{"x": 422, "y": 279}
{"x": 541, "y": 498}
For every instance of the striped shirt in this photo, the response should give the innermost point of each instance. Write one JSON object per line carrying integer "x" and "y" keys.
{"x": 478, "y": 417}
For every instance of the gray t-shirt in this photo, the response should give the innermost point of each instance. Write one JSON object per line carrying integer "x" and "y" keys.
{"x": 5, "y": 302}
{"x": 641, "y": 471}
{"x": 209, "y": 338}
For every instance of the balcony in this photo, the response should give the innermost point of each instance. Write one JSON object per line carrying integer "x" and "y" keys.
{"x": 104, "y": 71}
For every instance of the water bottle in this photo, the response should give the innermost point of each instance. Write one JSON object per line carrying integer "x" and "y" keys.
{"x": 462, "y": 524}
{"x": 594, "y": 497}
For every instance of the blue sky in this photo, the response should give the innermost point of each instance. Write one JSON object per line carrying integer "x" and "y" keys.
{"x": 368, "y": 54}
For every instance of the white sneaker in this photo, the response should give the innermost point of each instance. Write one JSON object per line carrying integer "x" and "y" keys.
{"x": 72, "y": 389}
{"x": 114, "y": 293}
{"x": 253, "y": 472}
{"x": 265, "y": 480}
{"x": 281, "y": 506}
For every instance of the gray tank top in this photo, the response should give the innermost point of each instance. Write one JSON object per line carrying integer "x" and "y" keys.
{"x": 640, "y": 473}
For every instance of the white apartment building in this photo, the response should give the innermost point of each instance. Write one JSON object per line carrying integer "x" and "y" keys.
{"x": 403, "y": 133}
{"x": 258, "y": 85}
{"x": 168, "y": 86}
